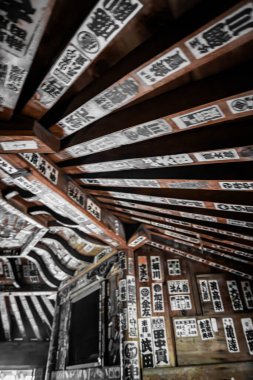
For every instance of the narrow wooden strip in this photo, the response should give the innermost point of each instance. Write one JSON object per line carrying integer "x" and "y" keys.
{"x": 237, "y": 154}
{"x": 177, "y": 201}
{"x": 199, "y": 259}
{"x": 187, "y": 184}
{"x": 212, "y": 113}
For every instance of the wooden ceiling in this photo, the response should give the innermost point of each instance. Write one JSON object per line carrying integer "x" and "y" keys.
{"x": 123, "y": 123}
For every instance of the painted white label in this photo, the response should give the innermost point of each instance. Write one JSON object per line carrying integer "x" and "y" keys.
{"x": 160, "y": 342}
{"x": 225, "y": 31}
{"x": 93, "y": 209}
{"x": 217, "y": 155}
{"x": 247, "y": 326}
{"x": 230, "y": 334}
{"x": 122, "y": 290}
{"x": 163, "y": 67}
{"x": 146, "y": 342}
{"x": 8, "y": 168}
{"x": 214, "y": 324}
{"x": 216, "y": 296}
{"x": 156, "y": 268}
{"x": 185, "y": 328}
{"x": 178, "y": 286}
{"x": 242, "y": 104}
{"x": 247, "y": 293}
{"x": 131, "y": 360}
{"x": 157, "y": 298}
{"x": 132, "y": 321}
{"x": 236, "y": 186}
{"x": 204, "y": 291}
{"x": 19, "y": 145}
{"x": 143, "y": 268}
{"x": 233, "y": 208}
{"x": 205, "y": 329}
{"x": 234, "y": 295}
{"x": 137, "y": 241}
{"x": 174, "y": 268}
{"x": 145, "y": 302}
{"x": 180, "y": 302}
{"x": 200, "y": 116}
{"x": 131, "y": 290}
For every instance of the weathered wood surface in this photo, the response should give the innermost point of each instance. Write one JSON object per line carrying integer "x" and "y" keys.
{"x": 238, "y": 371}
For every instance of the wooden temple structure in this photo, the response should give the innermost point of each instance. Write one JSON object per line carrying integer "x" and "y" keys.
{"x": 126, "y": 190}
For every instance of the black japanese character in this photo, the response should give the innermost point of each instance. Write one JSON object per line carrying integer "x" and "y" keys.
{"x": 102, "y": 24}
{"x": 18, "y": 10}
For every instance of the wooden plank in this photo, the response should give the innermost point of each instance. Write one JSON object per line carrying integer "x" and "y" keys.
{"x": 195, "y": 351}
{"x": 197, "y": 225}
{"x": 233, "y": 154}
{"x": 175, "y": 202}
{"x": 194, "y": 184}
{"x": 237, "y": 370}
{"x": 220, "y": 111}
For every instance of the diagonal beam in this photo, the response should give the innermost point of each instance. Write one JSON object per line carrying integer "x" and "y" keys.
{"x": 59, "y": 192}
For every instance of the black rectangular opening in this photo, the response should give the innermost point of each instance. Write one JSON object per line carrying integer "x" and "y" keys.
{"x": 84, "y": 339}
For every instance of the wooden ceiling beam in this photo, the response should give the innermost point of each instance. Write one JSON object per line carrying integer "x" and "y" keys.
{"x": 62, "y": 191}
{"x": 192, "y": 57}
{"x": 163, "y": 114}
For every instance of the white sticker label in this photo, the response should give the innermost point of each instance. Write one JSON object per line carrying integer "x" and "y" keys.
{"x": 248, "y": 294}
{"x": 234, "y": 295}
{"x": 216, "y": 297}
{"x": 131, "y": 361}
{"x": 145, "y": 302}
{"x": 93, "y": 209}
{"x": 163, "y": 67}
{"x": 230, "y": 335}
{"x": 205, "y": 295}
{"x": 185, "y": 328}
{"x": 225, "y": 31}
{"x": 242, "y": 104}
{"x": 180, "y": 302}
{"x": 160, "y": 342}
{"x": 174, "y": 268}
{"x": 178, "y": 286}
{"x": 19, "y": 145}
{"x": 8, "y": 168}
{"x": 247, "y": 326}
{"x": 217, "y": 155}
{"x": 236, "y": 186}
{"x": 132, "y": 321}
{"x": 143, "y": 269}
{"x": 205, "y": 328}
{"x": 197, "y": 117}
{"x": 233, "y": 208}
{"x": 158, "y": 301}
{"x": 146, "y": 342}
{"x": 156, "y": 268}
